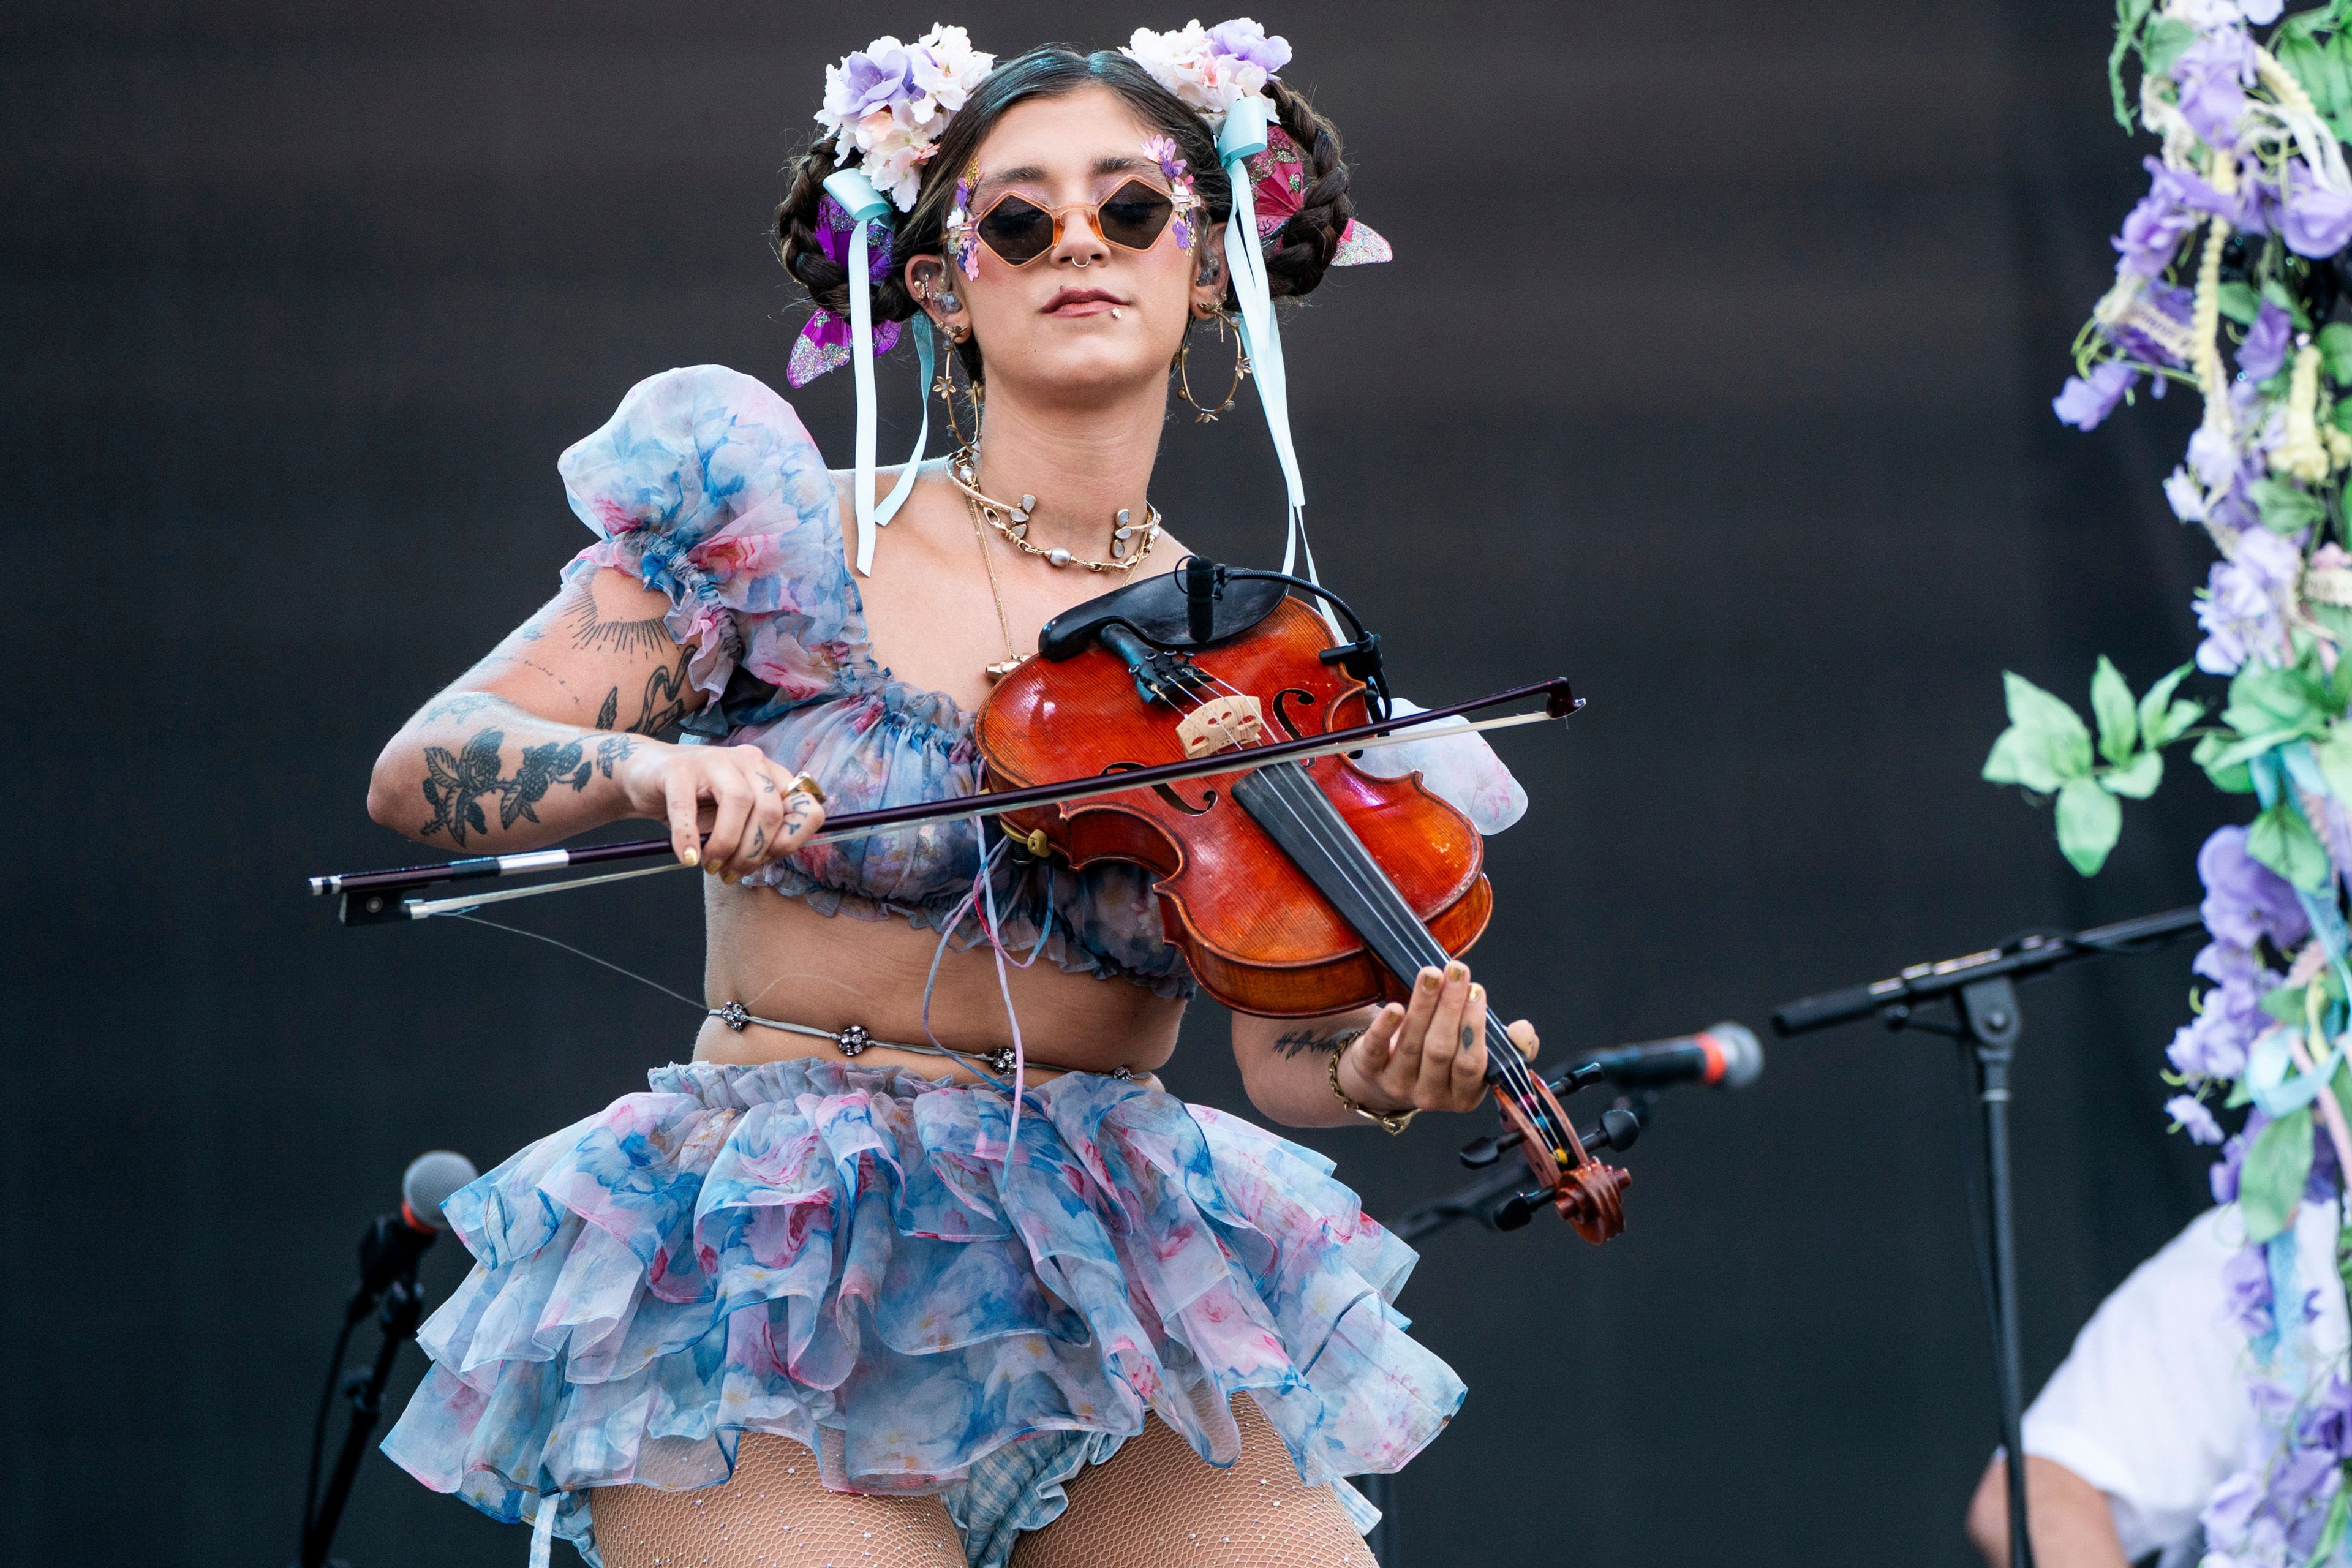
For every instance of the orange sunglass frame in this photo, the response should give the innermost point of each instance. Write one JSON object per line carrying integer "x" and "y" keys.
{"x": 1177, "y": 208}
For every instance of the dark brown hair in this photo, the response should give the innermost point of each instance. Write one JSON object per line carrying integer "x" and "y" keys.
{"x": 1296, "y": 256}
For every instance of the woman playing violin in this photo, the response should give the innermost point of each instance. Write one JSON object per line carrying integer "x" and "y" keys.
{"x": 802, "y": 1302}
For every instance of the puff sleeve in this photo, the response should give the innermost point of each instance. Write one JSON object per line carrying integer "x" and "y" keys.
{"x": 1461, "y": 770}
{"x": 704, "y": 486}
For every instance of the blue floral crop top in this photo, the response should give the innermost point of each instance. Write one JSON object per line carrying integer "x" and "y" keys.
{"x": 704, "y": 485}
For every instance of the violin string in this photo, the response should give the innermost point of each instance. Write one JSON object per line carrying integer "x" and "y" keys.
{"x": 1403, "y": 925}
{"x": 1511, "y": 1069}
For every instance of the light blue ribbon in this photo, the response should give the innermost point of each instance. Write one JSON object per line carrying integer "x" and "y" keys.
{"x": 867, "y": 210}
{"x": 1244, "y": 138}
{"x": 2269, "y": 1077}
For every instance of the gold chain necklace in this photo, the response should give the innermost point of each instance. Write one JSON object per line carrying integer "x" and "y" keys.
{"x": 1129, "y": 541}
{"x": 1013, "y": 660}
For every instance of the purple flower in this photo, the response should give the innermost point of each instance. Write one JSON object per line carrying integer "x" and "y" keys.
{"x": 2190, "y": 1114}
{"x": 2245, "y": 900}
{"x": 2154, "y": 229}
{"x": 2316, "y": 221}
{"x": 2327, "y": 1422}
{"x": 869, "y": 82}
{"x": 2213, "y": 73}
{"x": 2246, "y": 1290}
{"x": 2224, "y": 1175}
{"x": 2245, "y": 599}
{"x": 1245, "y": 40}
{"x": 2082, "y": 403}
{"x": 2214, "y": 1044}
{"x": 2231, "y": 1509}
{"x": 2266, "y": 343}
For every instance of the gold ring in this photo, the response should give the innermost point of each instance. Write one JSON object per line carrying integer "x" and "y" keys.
{"x": 803, "y": 784}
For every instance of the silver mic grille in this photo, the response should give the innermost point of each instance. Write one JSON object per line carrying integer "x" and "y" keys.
{"x": 429, "y": 1181}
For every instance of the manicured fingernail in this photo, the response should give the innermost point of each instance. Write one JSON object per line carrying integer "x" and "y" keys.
{"x": 1428, "y": 979}
{"x": 690, "y": 855}
{"x": 730, "y": 877}
{"x": 1457, "y": 972}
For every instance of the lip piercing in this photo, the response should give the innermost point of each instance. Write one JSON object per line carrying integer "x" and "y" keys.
{"x": 1114, "y": 312}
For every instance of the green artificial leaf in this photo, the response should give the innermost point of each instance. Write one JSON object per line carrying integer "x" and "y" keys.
{"x": 2331, "y": 1533}
{"x": 2137, "y": 778}
{"x": 2336, "y": 620}
{"x": 2334, "y": 757}
{"x": 2281, "y": 839}
{"x": 2285, "y": 1003}
{"x": 2161, "y": 726}
{"x": 2336, "y": 351}
{"x": 2129, "y": 14}
{"x": 2162, "y": 44}
{"x": 2111, "y": 704}
{"x": 2240, "y": 303}
{"x": 2019, "y": 758}
{"x": 2090, "y": 820}
{"x": 2293, "y": 703}
{"x": 2270, "y": 1184}
{"x": 2286, "y": 507}
{"x": 2037, "y": 713}
{"x": 2279, "y": 294}
{"x": 2229, "y": 778}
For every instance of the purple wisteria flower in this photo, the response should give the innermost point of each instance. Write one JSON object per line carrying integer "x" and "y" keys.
{"x": 2153, "y": 230}
{"x": 2213, "y": 74}
{"x": 2245, "y": 901}
{"x": 2084, "y": 403}
{"x": 2327, "y": 1422}
{"x": 2222, "y": 1177}
{"x": 2267, "y": 341}
{"x": 2190, "y": 1114}
{"x": 2314, "y": 221}
{"x": 2246, "y": 599}
{"x": 1244, "y": 39}
{"x": 2246, "y": 1290}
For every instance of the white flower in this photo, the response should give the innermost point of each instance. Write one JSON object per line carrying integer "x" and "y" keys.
{"x": 2186, "y": 499}
{"x": 889, "y": 103}
{"x": 1188, "y": 63}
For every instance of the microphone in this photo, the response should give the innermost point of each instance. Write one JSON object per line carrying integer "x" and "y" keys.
{"x": 1726, "y": 1056}
{"x": 393, "y": 1242}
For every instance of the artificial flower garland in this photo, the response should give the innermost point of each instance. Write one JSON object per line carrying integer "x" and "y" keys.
{"x": 2237, "y": 253}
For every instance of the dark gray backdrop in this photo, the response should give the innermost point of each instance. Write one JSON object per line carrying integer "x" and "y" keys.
{"x": 1714, "y": 372}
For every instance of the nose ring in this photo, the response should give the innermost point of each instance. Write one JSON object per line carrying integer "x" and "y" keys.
{"x": 1081, "y": 265}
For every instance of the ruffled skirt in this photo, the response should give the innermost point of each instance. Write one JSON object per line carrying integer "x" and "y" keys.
{"x": 843, "y": 1256}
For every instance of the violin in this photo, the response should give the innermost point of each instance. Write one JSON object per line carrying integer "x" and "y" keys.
{"x": 1296, "y": 887}
{"x": 1198, "y": 724}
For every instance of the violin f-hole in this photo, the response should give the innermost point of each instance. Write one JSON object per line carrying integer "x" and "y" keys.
{"x": 1282, "y": 709}
{"x": 1167, "y": 791}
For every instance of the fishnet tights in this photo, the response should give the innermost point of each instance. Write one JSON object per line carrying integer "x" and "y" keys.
{"x": 772, "y": 1513}
{"x": 1155, "y": 1505}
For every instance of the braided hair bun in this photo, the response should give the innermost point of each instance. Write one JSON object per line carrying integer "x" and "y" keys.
{"x": 1299, "y": 252}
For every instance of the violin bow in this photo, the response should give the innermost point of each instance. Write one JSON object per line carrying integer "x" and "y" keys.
{"x": 378, "y": 898}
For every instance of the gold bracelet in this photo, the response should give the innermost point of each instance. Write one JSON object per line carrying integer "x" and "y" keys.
{"x": 1392, "y": 1123}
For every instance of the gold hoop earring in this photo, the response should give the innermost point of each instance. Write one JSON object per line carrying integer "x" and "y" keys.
{"x": 975, "y": 394}
{"x": 1184, "y": 379}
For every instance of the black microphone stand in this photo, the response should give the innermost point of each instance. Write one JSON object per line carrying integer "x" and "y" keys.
{"x": 1986, "y": 1023}
{"x": 397, "y": 1312}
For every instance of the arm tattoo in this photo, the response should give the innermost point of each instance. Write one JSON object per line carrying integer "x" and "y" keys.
{"x": 643, "y": 635}
{"x": 610, "y": 711}
{"x": 612, "y": 751}
{"x": 454, "y": 782}
{"x": 462, "y": 705}
{"x": 1298, "y": 1042}
{"x": 664, "y": 702}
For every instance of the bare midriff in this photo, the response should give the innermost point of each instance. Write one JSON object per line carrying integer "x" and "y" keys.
{"x": 782, "y": 960}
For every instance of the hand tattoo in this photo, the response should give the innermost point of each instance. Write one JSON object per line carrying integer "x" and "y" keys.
{"x": 454, "y": 781}
{"x": 612, "y": 751}
{"x": 759, "y": 839}
{"x": 1469, "y": 1037}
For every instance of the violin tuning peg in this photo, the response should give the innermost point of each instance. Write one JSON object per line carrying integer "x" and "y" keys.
{"x": 1481, "y": 1152}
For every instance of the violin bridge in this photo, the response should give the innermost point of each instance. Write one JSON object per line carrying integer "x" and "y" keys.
{"x": 1221, "y": 723}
